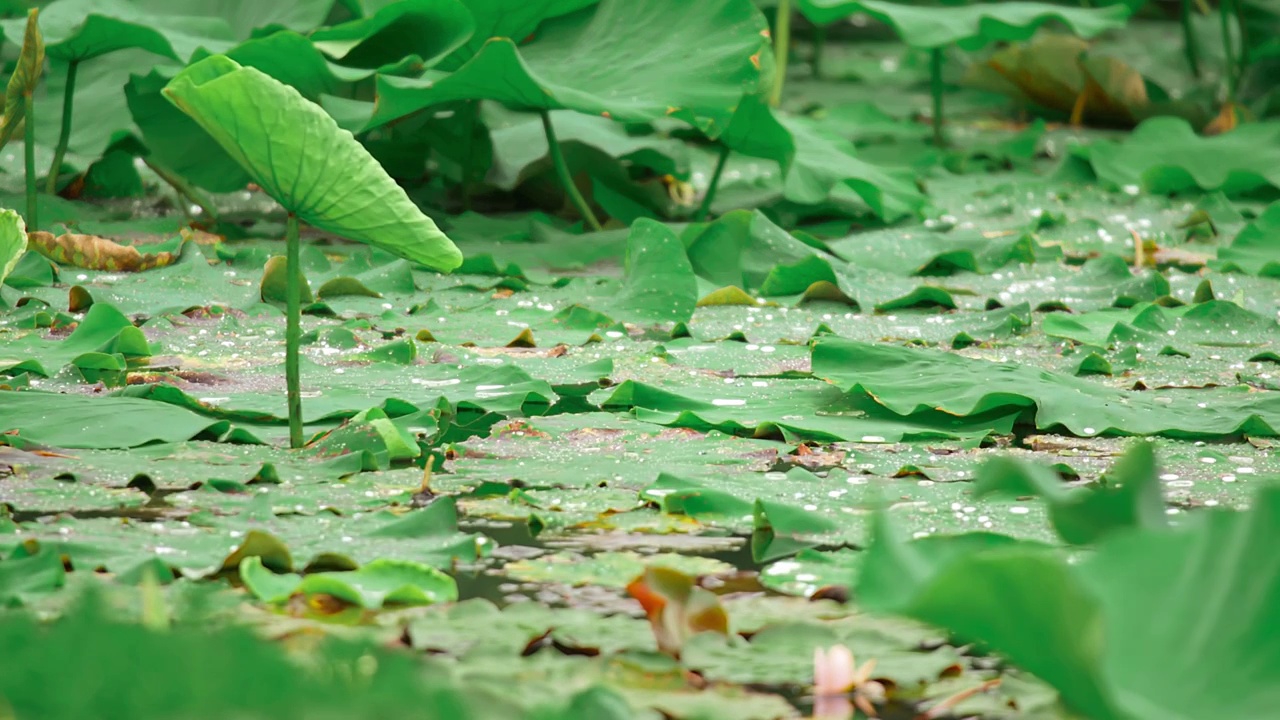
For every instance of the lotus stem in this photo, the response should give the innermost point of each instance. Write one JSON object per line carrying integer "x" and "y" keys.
{"x": 29, "y": 150}
{"x": 183, "y": 188}
{"x": 469, "y": 152}
{"x": 1190, "y": 44}
{"x": 705, "y": 208}
{"x": 935, "y": 87}
{"x": 562, "y": 171}
{"x": 293, "y": 329}
{"x": 64, "y": 137}
{"x": 1242, "y": 59}
{"x": 1228, "y": 52}
{"x": 819, "y": 47}
{"x": 781, "y": 48}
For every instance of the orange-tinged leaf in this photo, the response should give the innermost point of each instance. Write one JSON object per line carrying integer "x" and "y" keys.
{"x": 97, "y": 253}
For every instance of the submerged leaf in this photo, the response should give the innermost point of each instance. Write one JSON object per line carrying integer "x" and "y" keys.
{"x": 373, "y": 586}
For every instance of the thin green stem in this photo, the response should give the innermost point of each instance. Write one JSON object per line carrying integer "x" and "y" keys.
{"x": 1242, "y": 59}
{"x": 819, "y": 48}
{"x": 781, "y": 48}
{"x": 1228, "y": 51}
{"x": 293, "y": 329}
{"x": 29, "y": 149}
{"x": 562, "y": 171}
{"x": 1190, "y": 44}
{"x": 68, "y": 96}
{"x": 469, "y": 152}
{"x": 705, "y": 208}
{"x": 184, "y": 188}
{"x": 935, "y": 87}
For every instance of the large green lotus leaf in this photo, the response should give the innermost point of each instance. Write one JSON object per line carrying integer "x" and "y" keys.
{"x": 794, "y": 410}
{"x": 178, "y": 143}
{"x": 248, "y": 17}
{"x": 1164, "y": 155}
{"x": 925, "y": 253}
{"x": 1254, "y": 250}
{"x": 635, "y": 62}
{"x": 428, "y": 29}
{"x": 86, "y": 29}
{"x": 513, "y": 19}
{"x": 908, "y": 381}
{"x": 1131, "y": 496}
{"x": 970, "y": 26}
{"x": 299, "y": 156}
{"x": 201, "y": 671}
{"x": 504, "y": 389}
{"x": 1216, "y": 323}
{"x": 13, "y": 241}
{"x": 825, "y": 170}
{"x": 82, "y": 421}
{"x": 1212, "y": 585}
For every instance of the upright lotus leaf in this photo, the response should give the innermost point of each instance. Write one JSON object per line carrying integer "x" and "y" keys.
{"x": 515, "y": 19}
{"x": 970, "y": 26}
{"x": 13, "y": 241}
{"x": 1131, "y": 497}
{"x": 298, "y": 155}
{"x": 1165, "y": 155}
{"x": 632, "y": 61}
{"x": 176, "y": 142}
{"x": 1154, "y": 624}
{"x": 428, "y": 29}
{"x": 24, "y": 79}
{"x": 79, "y": 30}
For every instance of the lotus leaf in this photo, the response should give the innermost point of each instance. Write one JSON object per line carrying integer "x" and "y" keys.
{"x": 316, "y": 170}
{"x": 648, "y": 61}
{"x": 970, "y": 26}
{"x": 1164, "y": 155}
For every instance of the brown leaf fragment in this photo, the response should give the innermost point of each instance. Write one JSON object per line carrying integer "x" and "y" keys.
{"x": 92, "y": 252}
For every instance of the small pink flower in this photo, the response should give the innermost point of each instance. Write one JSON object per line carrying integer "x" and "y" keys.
{"x": 832, "y": 671}
{"x": 839, "y": 684}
